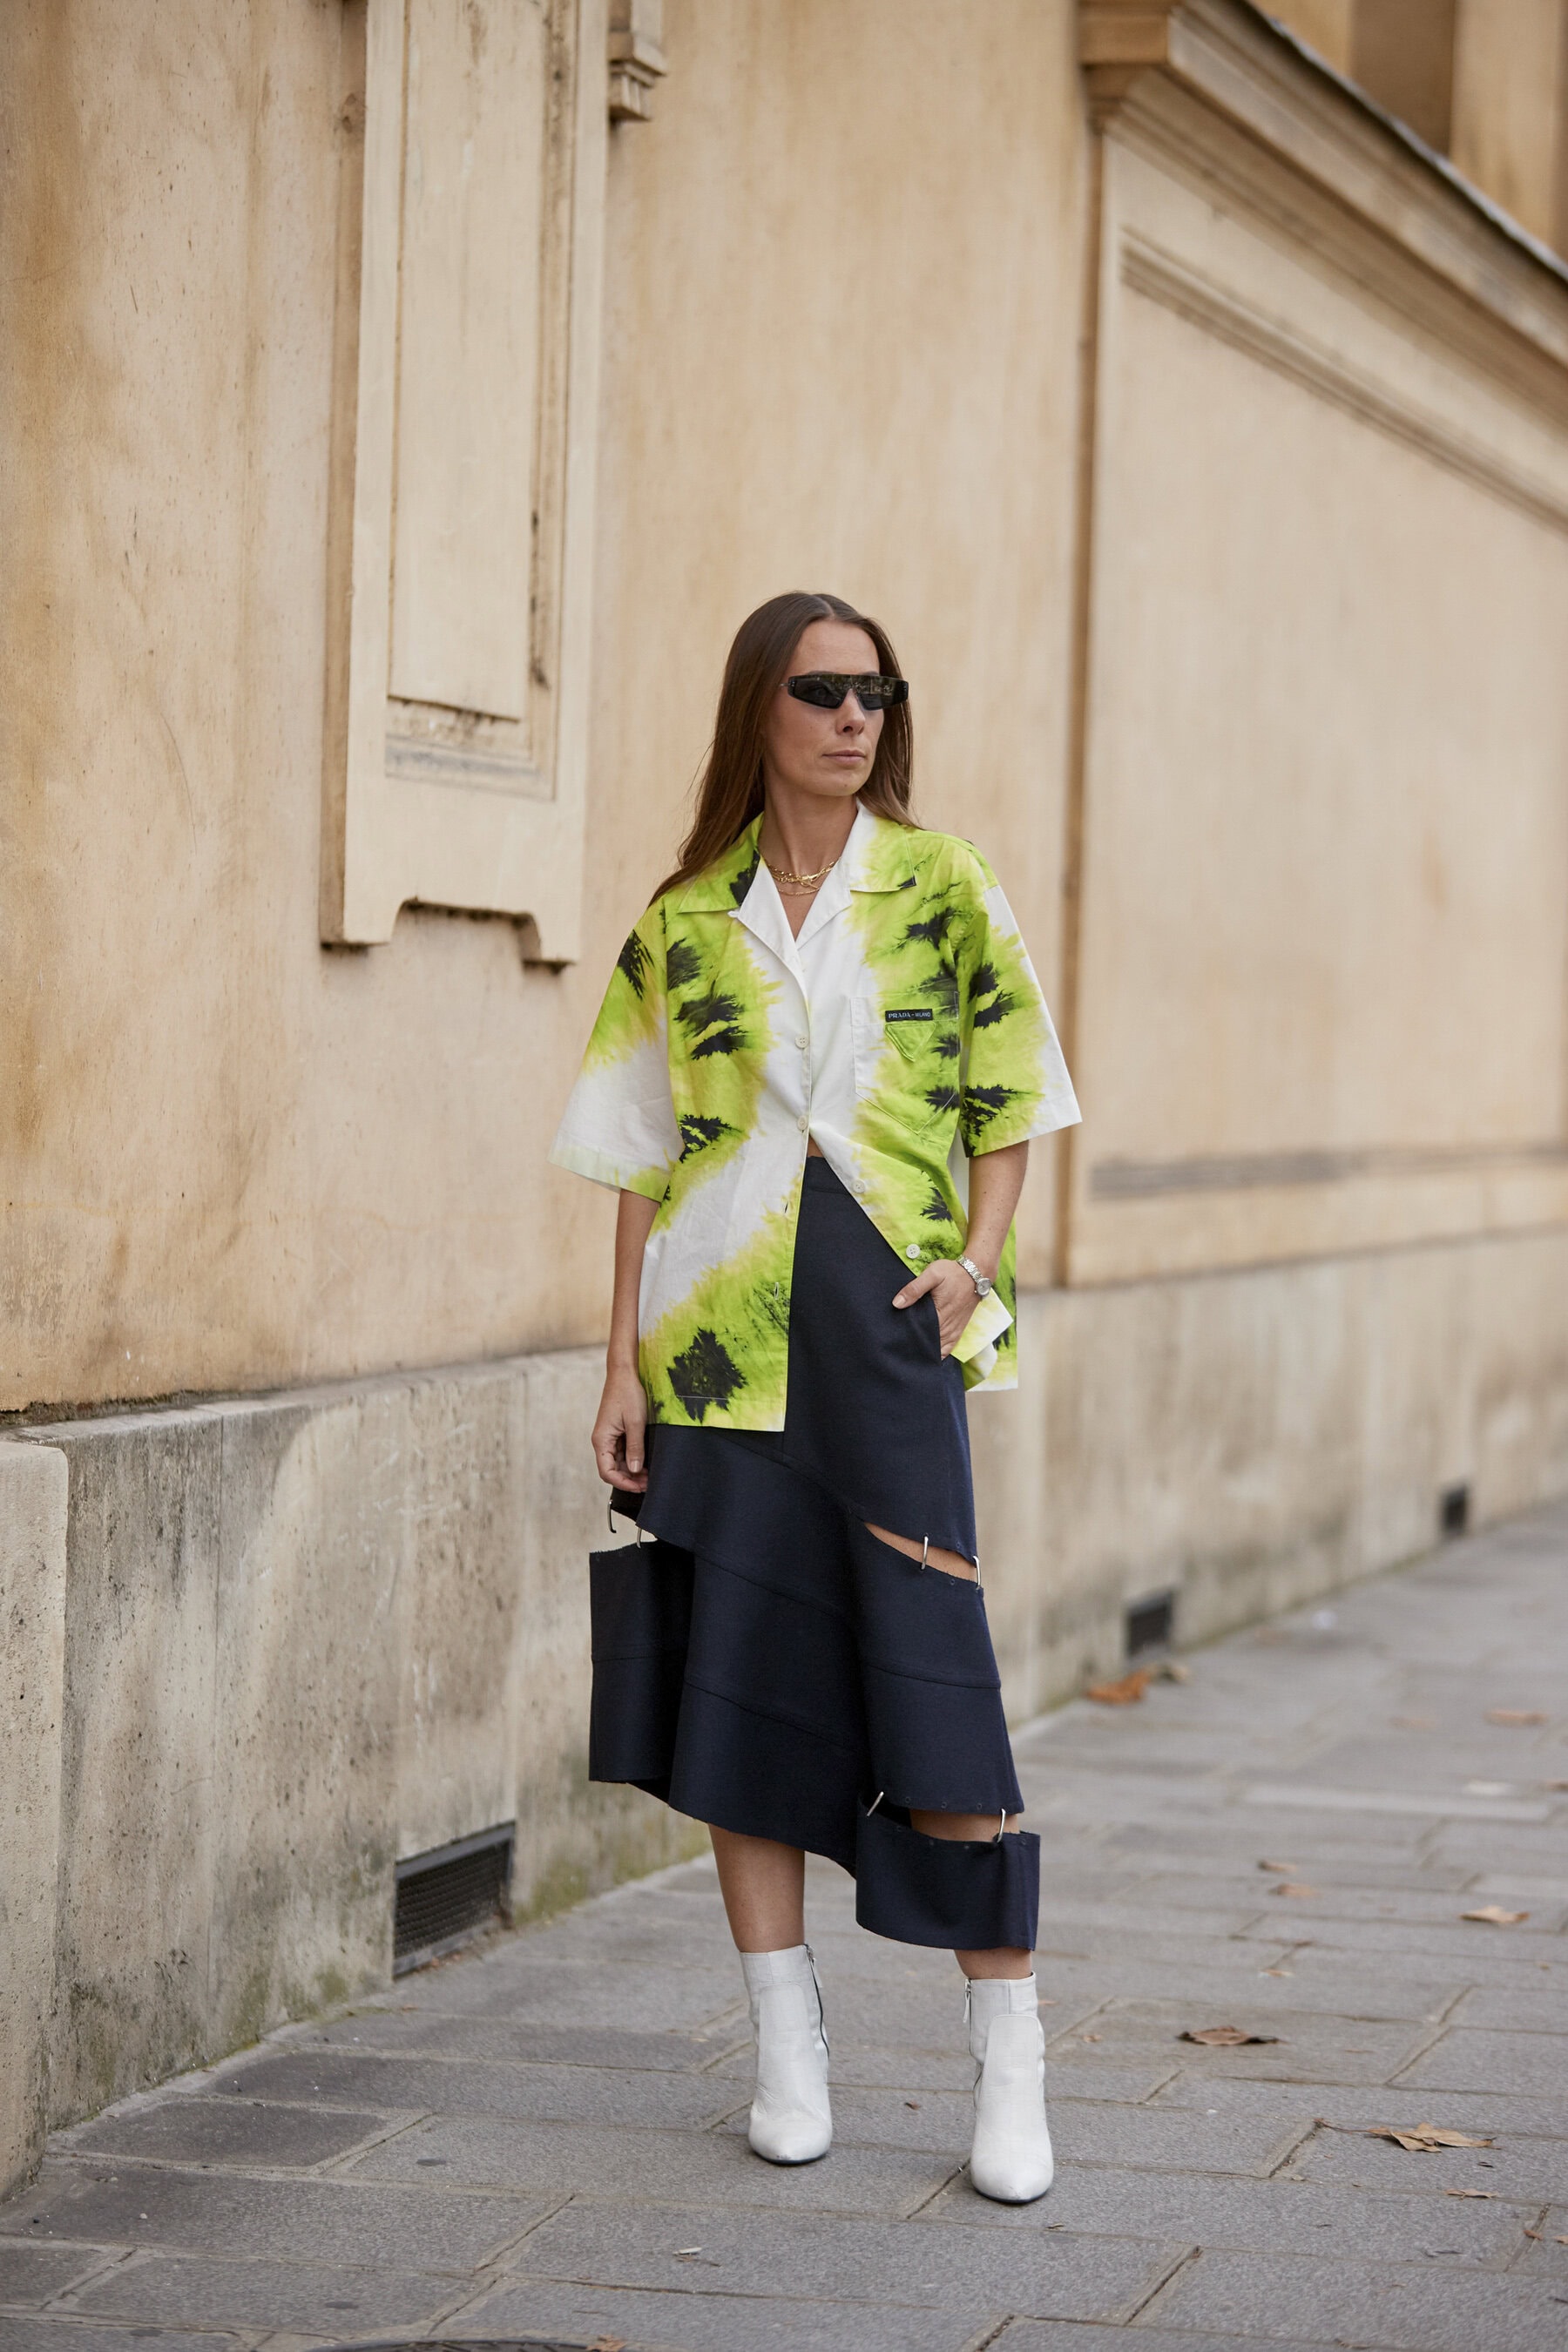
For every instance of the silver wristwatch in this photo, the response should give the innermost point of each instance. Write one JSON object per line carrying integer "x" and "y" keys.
{"x": 975, "y": 1276}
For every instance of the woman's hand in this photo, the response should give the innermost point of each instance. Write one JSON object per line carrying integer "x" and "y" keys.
{"x": 620, "y": 1430}
{"x": 956, "y": 1295}
{"x": 996, "y": 1181}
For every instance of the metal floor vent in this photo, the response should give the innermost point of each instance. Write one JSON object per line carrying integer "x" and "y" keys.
{"x": 1150, "y": 1624}
{"x": 449, "y": 1894}
{"x": 1454, "y": 1510}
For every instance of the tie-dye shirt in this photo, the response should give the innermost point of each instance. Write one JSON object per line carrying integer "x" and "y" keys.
{"x": 903, "y": 1031}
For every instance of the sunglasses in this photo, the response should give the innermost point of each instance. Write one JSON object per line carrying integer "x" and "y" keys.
{"x": 825, "y": 689}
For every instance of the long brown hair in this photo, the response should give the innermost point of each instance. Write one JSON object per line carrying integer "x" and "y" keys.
{"x": 730, "y": 792}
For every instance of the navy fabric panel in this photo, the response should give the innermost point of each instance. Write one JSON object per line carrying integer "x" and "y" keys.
{"x": 741, "y": 1769}
{"x": 945, "y": 1890}
{"x": 932, "y": 1695}
{"x": 640, "y": 1601}
{"x": 768, "y": 1666}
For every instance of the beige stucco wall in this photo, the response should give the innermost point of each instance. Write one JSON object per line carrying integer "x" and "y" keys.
{"x": 1328, "y": 733}
{"x": 238, "y": 1158}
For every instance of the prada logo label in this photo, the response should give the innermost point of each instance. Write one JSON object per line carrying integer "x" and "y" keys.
{"x": 911, "y": 1012}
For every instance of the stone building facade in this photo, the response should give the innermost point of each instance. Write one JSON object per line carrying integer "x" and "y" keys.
{"x": 403, "y": 401}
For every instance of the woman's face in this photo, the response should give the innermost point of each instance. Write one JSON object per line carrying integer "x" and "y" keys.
{"x": 826, "y": 754}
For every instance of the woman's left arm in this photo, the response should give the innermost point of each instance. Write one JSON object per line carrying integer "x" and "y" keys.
{"x": 996, "y": 1181}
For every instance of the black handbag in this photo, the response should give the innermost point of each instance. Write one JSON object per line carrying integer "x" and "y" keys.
{"x": 640, "y": 1603}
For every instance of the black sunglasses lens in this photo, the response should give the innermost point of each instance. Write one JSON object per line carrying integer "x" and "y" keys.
{"x": 824, "y": 689}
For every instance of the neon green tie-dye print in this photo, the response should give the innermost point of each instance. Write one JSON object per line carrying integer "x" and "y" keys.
{"x": 904, "y": 1030}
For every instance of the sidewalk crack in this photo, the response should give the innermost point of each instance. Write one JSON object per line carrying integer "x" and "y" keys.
{"x": 1184, "y": 2261}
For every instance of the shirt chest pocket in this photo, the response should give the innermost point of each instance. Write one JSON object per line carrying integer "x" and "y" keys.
{"x": 899, "y": 1059}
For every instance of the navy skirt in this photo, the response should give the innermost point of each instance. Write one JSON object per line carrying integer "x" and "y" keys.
{"x": 768, "y": 1665}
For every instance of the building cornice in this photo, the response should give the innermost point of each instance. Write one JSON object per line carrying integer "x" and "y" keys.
{"x": 1149, "y": 63}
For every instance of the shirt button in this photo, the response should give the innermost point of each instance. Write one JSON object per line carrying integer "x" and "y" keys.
{"x": 913, "y": 1250}
{"x": 802, "y": 1122}
{"x": 802, "y": 1042}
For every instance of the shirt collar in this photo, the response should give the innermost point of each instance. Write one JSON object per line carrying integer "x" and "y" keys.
{"x": 722, "y": 887}
{"x": 878, "y": 856}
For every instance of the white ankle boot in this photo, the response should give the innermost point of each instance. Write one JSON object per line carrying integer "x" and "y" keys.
{"x": 791, "y": 2121}
{"x": 1011, "y": 2159}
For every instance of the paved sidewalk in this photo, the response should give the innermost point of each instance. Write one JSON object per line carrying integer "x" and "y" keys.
{"x": 545, "y": 2141}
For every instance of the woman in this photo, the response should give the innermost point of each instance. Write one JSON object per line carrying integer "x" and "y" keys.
{"x": 821, "y": 1005}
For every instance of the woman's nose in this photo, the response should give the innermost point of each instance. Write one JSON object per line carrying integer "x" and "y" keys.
{"x": 850, "y": 714}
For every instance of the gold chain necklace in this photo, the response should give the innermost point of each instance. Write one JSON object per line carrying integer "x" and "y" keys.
{"x": 799, "y": 882}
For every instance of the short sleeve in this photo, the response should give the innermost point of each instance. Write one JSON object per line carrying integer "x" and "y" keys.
{"x": 620, "y": 1127}
{"x": 1014, "y": 1082}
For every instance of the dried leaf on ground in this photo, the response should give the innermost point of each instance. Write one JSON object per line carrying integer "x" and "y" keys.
{"x": 608, "y": 2343}
{"x": 1288, "y": 1888}
{"x": 1424, "y": 2138}
{"x": 1277, "y": 1972}
{"x": 1126, "y": 1693}
{"x": 1492, "y": 1914}
{"x": 1490, "y": 2193}
{"x": 1224, "y": 2037}
{"x": 1554, "y": 1784}
{"x": 1285, "y": 1869}
{"x": 1515, "y": 1714}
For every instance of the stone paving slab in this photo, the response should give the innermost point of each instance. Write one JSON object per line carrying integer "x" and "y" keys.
{"x": 32, "y": 2273}
{"x": 1032, "y": 2272}
{"x": 230, "y": 2132}
{"x": 1480, "y": 2112}
{"x": 36, "y": 2332}
{"x": 1468, "y": 2060}
{"x": 467, "y": 2086}
{"x": 1262, "y": 2296}
{"x": 544, "y": 2138}
{"x": 308, "y": 2221}
{"x": 496, "y": 2042}
{"x": 542, "y": 2161}
{"x": 688, "y": 2322}
{"x": 1068, "y": 2335}
{"x": 1328, "y": 2223}
{"x": 1523, "y": 2169}
{"x": 1547, "y": 2252}
{"x": 308, "y": 2298}
{"x": 1311, "y": 2046}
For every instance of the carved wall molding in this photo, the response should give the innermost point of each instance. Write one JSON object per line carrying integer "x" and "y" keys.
{"x": 465, "y": 403}
{"x": 1161, "y": 279}
{"x": 1132, "y": 1180}
{"x": 1141, "y": 58}
{"x": 636, "y": 57}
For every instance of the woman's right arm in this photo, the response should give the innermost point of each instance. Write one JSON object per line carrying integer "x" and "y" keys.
{"x": 622, "y": 1419}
